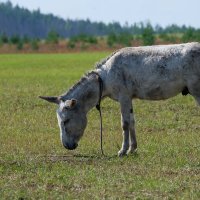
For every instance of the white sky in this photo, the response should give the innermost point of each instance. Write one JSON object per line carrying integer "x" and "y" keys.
{"x": 163, "y": 12}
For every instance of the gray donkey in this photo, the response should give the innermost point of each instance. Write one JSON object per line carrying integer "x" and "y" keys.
{"x": 152, "y": 73}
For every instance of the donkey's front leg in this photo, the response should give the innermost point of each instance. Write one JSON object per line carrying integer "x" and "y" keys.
{"x": 125, "y": 122}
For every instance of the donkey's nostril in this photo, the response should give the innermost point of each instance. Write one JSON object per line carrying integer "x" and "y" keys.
{"x": 66, "y": 121}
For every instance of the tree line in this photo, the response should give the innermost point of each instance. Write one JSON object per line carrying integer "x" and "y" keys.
{"x": 20, "y": 27}
{"x": 112, "y": 40}
{"x": 17, "y": 21}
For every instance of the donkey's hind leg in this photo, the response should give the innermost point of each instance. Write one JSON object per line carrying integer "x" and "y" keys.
{"x": 132, "y": 134}
{"x": 197, "y": 100}
{"x": 194, "y": 88}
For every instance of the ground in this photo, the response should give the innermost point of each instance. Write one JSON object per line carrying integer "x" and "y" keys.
{"x": 34, "y": 165}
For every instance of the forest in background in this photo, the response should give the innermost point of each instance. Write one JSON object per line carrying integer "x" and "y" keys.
{"x": 21, "y": 29}
{"x": 15, "y": 20}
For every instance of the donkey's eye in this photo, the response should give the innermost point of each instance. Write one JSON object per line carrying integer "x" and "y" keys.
{"x": 65, "y": 108}
{"x": 66, "y": 121}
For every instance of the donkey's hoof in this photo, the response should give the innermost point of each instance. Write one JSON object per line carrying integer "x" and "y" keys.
{"x": 122, "y": 153}
{"x": 132, "y": 151}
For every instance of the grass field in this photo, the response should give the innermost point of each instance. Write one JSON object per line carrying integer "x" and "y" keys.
{"x": 34, "y": 165}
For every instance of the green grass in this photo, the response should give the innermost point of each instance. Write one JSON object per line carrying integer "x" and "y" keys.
{"x": 34, "y": 165}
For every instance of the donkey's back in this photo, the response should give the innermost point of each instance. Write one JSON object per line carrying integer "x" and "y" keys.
{"x": 155, "y": 72}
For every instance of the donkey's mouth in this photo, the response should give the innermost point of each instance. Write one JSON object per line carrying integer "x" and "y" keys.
{"x": 70, "y": 146}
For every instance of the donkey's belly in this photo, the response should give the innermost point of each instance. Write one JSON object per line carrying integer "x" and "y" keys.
{"x": 160, "y": 92}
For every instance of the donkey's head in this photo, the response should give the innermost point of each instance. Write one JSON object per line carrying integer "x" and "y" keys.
{"x": 71, "y": 120}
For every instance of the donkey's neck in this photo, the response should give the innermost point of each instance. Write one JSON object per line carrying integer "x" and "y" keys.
{"x": 86, "y": 91}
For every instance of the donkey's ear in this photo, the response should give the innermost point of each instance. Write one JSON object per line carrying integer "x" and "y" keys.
{"x": 71, "y": 103}
{"x": 51, "y": 99}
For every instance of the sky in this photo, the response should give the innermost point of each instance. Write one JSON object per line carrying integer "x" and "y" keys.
{"x": 162, "y": 12}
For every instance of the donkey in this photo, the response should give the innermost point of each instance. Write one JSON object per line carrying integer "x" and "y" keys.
{"x": 151, "y": 72}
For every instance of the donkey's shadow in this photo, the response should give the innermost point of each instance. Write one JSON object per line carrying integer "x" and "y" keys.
{"x": 76, "y": 158}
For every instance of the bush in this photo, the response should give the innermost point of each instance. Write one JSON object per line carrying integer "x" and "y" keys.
{"x": 125, "y": 39}
{"x": 83, "y": 39}
{"x": 148, "y": 36}
{"x": 168, "y": 37}
{"x": 34, "y": 44}
{"x": 189, "y": 35}
{"x": 164, "y": 37}
{"x": 1, "y": 43}
{"x": 111, "y": 39}
{"x": 52, "y": 37}
{"x": 4, "y": 38}
{"x": 92, "y": 40}
{"x": 26, "y": 39}
{"x": 122, "y": 38}
{"x": 197, "y": 35}
{"x": 15, "y": 39}
{"x": 71, "y": 44}
{"x": 20, "y": 45}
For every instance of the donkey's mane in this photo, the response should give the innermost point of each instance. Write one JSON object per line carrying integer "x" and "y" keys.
{"x": 88, "y": 74}
{"x": 80, "y": 82}
{"x": 104, "y": 60}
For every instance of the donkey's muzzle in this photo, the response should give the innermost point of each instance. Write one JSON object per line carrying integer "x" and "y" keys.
{"x": 70, "y": 146}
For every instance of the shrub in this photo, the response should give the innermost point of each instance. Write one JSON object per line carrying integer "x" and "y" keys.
{"x": 71, "y": 44}
{"x": 148, "y": 36}
{"x": 15, "y": 39}
{"x": 111, "y": 39}
{"x": 20, "y": 45}
{"x": 189, "y": 35}
{"x": 34, "y": 44}
{"x": 83, "y": 39}
{"x": 197, "y": 35}
{"x": 164, "y": 37}
{"x": 4, "y": 38}
{"x": 125, "y": 39}
{"x": 92, "y": 40}
{"x": 26, "y": 39}
{"x": 1, "y": 43}
{"x": 52, "y": 37}
{"x": 168, "y": 37}
{"x": 122, "y": 38}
